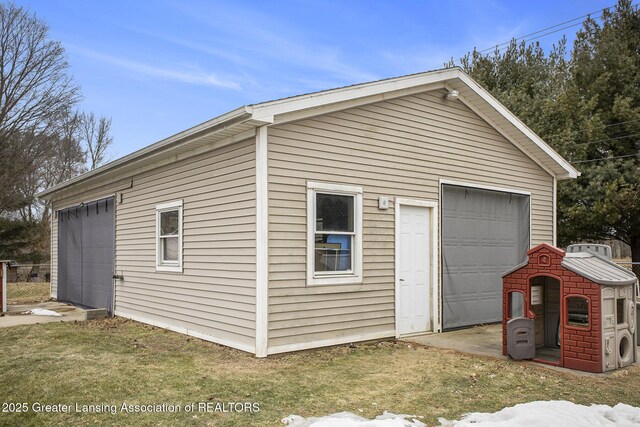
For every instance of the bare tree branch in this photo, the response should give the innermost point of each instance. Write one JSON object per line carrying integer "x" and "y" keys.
{"x": 96, "y": 136}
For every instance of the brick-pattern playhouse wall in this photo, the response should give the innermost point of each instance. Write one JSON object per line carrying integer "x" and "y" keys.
{"x": 581, "y": 347}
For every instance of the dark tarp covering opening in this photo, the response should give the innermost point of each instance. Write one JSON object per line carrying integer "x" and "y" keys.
{"x": 86, "y": 254}
{"x": 484, "y": 233}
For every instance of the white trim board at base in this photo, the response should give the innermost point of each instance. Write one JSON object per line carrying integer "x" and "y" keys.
{"x": 436, "y": 318}
{"x": 331, "y": 341}
{"x": 233, "y": 344}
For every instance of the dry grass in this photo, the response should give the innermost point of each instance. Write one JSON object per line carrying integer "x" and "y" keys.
{"x": 27, "y": 292}
{"x": 115, "y": 361}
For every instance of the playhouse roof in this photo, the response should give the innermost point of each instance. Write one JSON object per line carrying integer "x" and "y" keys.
{"x": 598, "y": 269}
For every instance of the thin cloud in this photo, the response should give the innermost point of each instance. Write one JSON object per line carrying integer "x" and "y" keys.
{"x": 248, "y": 33}
{"x": 194, "y": 46}
{"x": 194, "y": 77}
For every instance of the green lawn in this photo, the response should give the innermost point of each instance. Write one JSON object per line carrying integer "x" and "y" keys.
{"x": 115, "y": 361}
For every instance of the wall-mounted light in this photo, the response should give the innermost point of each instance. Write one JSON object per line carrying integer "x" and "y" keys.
{"x": 452, "y": 95}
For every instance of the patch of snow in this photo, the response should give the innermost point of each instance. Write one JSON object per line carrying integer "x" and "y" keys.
{"x": 347, "y": 419}
{"x": 532, "y": 414}
{"x": 555, "y": 412}
{"x": 42, "y": 312}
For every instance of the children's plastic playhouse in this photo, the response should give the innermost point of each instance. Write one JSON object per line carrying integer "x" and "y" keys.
{"x": 575, "y": 310}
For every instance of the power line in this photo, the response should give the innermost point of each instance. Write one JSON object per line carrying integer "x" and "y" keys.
{"x": 602, "y": 140}
{"x": 546, "y": 29}
{"x": 607, "y": 158}
{"x": 585, "y": 130}
{"x": 555, "y": 29}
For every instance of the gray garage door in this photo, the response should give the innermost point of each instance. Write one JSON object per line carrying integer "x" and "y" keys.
{"x": 85, "y": 254}
{"x": 484, "y": 233}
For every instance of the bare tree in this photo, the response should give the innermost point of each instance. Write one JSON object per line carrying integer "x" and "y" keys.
{"x": 96, "y": 135}
{"x": 35, "y": 92}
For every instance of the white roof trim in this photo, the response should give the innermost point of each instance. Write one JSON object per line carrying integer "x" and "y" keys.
{"x": 263, "y": 113}
{"x": 231, "y": 117}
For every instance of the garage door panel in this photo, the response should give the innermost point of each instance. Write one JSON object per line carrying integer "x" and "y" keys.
{"x": 86, "y": 254}
{"x": 70, "y": 256}
{"x": 484, "y": 233}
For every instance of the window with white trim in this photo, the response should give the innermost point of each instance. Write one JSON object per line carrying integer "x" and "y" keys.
{"x": 334, "y": 234}
{"x": 169, "y": 236}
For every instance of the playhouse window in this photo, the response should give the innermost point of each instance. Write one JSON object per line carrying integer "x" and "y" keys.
{"x": 334, "y": 234}
{"x": 515, "y": 307}
{"x": 578, "y": 311}
{"x": 620, "y": 317}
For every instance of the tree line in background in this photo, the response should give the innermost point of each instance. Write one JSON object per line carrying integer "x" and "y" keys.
{"x": 44, "y": 138}
{"x": 584, "y": 102}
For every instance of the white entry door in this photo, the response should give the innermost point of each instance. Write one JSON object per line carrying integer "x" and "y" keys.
{"x": 414, "y": 272}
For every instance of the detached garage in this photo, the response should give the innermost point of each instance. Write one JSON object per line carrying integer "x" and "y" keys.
{"x": 376, "y": 210}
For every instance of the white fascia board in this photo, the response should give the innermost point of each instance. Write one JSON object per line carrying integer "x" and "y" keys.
{"x": 571, "y": 172}
{"x": 270, "y": 109}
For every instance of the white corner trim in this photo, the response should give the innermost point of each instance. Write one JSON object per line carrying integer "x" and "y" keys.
{"x": 355, "y": 277}
{"x": 52, "y": 264}
{"x": 186, "y": 331}
{"x": 555, "y": 211}
{"x": 160, "y": 265}
{"x": 331, "y": 341}
{"x": 262, "y": 243}
{"x": 4, "y": 288}
{"x": 436, "y": 318}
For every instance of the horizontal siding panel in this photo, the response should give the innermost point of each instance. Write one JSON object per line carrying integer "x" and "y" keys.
{"x": 336, "y": 311}
{"x": 196, "y": 323}
{"x": 324, "y": 322}
{"x": 396, "y": 148}
{"x": 194, "y": 285}
{"x": 334, "y": 334}
{"x": 215, "y": 293}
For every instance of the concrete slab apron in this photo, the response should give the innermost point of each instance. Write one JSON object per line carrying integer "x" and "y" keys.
{"x": 14, "y": 318}
{"x": 485, "y": 340}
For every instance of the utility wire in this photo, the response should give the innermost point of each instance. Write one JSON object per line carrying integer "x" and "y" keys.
{"x": 584, "y": 130}
{"x": 545, "y": 29}
{"x": 602, "y": 140}
{"x": 607, "y": 158}
{"x": 553, "y": 27}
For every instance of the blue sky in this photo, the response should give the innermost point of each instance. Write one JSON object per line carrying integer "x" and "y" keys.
{"x": 159, "y": 67}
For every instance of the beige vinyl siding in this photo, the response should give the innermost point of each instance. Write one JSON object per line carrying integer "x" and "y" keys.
{"x": 214, "y": 297}
{"x": 395, "y": 148}
{"x": 215, "y": 294}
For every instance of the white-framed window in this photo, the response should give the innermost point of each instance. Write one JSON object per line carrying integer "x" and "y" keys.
{"x": 334, "y": 234}
{"x": 169, "y": 236}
